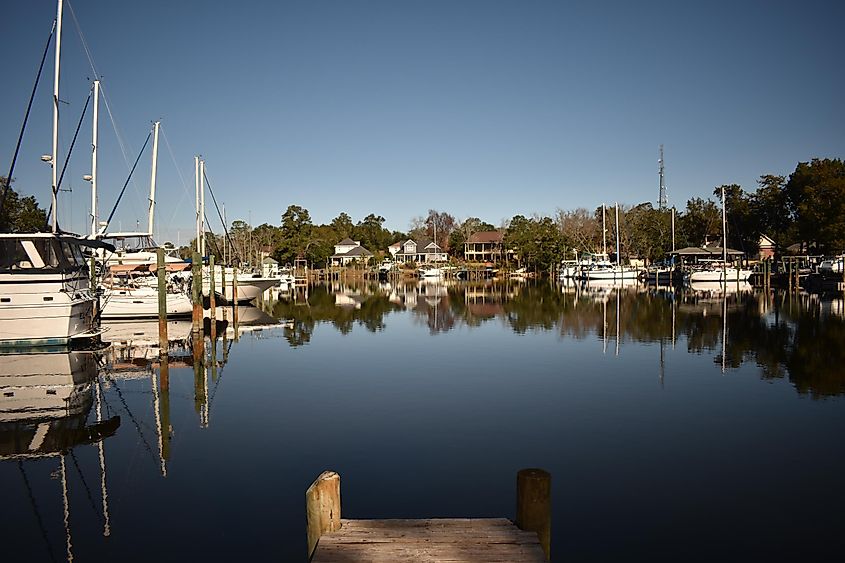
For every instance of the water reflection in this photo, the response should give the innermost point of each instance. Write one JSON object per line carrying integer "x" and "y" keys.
{"x": 44, "y": 415}
{"x": 786, "y": 335}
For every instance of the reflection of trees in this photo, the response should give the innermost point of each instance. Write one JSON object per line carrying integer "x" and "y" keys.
{"x": 793, "y": 340}
{"x": 369, "y": 312}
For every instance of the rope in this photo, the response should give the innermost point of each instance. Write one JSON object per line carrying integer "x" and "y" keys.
{"x": 84, "y": 483}
{"x": 8, "y": 185}
{"x": 37, "y": 512}
{"x": 108, "y": 221}
{"x": 220, "y": 215}
{"x": 132, "y": 418}
{"x": 73, "y": 142}
{"x": 103, "y": 93}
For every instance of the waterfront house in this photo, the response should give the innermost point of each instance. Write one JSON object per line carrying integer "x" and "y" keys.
{"x": 767, "y": 248}
{"x": 421, "y": 252}
{"x": 348, "y": 251}
{"x": 485, "y": 246}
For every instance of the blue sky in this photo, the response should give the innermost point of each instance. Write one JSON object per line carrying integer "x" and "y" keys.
{"x": 477, "y": 108}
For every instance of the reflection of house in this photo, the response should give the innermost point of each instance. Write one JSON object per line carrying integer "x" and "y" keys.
{"x": 767, "y": 248}
{"x": 420, "y": 251}
{"x": 348, "y": 251}
{"x": 485, "y": 246}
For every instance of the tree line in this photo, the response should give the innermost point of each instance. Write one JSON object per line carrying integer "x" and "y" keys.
{"x": 807, "y": 208}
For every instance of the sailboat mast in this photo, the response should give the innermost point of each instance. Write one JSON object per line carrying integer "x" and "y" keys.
{"x": 603, "y": 232}
{"x": 617, "y": 234}
{"x": 55, "y": 152}
{"x": 202, "y": 207}
{"x": 153, "y": 179}
{"x": 197, "y": 199}
{"x": 673, "y": 229}
{"x": 724, "y": 230}
{"x": 94, "y": 143}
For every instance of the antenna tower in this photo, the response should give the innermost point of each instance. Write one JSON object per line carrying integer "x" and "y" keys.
{"x": 663, "y": 201}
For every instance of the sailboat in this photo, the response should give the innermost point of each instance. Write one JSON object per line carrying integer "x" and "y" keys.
{"x": 719, "y": 271}
{"x": 612, "y": 272}
{"x": 45, "y": 293}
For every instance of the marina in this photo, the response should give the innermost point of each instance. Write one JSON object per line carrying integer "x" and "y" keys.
{"x": 190, "y": 361}
{"x": 625, "y": 394}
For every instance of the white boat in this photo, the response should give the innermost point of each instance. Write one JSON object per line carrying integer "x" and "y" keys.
{"x": 45, "y": 296}
{"x": 250, "y": 285}
{"x": 429, "y": 272}
{"x": 717, "y": 271}
{"x": 611, "y": 273}
{"x": 569, "y": 269}
{"x": 140, "y": 302}
{"x": 833, "y": 266}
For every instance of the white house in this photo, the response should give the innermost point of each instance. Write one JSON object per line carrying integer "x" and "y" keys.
{"x": 347, "y": 251}
{"x": 420, "y": 251}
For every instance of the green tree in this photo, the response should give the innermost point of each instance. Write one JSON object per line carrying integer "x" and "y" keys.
{"x": 816, "y": 195}
{"x": 742, "y": 223}
{"x": 700, "y": 222}
{"x": 771, "y": 208}
{"x": 537, "y": 242}
{"x": 295, "y": 234}
{"x": 19, "y": 214}
{"x": 343, "y": 226}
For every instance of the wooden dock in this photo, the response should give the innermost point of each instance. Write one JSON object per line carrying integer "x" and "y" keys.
{"x": 335, "y": 540}
{"x": 438, "y": 539}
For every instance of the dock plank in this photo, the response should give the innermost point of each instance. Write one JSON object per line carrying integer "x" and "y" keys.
{"x": 428, "y": 540}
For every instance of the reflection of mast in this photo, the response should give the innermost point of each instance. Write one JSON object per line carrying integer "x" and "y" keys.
{"x": 724, "y": 324}
{"x": 66, "y": 506}
{"x": 618, "y": 294}
{"x": 604, "y": 327}
{"x": 159, "y": 428}
{"x": 102, "y": 457}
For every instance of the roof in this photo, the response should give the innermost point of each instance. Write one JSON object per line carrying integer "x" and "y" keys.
{"x": 357, "y": 251}
{"x": 708, "y": 250}
{"x": 347, "y": 242}
{"x": 486, "y": 236}
{"x": 268, "y": 260}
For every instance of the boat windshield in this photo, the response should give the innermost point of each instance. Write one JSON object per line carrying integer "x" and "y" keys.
{"x": 20, "y": 254}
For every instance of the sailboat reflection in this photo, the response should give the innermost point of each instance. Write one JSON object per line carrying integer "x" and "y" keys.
{"x": 45, "y": 399}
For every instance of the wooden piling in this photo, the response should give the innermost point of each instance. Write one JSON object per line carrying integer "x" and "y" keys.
{"x": 212, "y": 300}
{"x": 235, "y": 300}
{"x": 322, "y": 507}
{"x": 534, "y": 505}
{"x": 164, "y": 384}
{"x": 161, "y": 273}
{"x": 196, "y": 274}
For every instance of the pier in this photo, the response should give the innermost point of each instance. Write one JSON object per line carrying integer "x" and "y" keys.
{"x": 332, "y": 539}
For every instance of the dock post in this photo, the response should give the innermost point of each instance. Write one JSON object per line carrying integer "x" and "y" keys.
{"x": 212, "y": 300}
{"x": 196, "y": 279}
{"x": 534, "y": 505}
{"x": 161, "y": 272}
{"x": 322, "y": 508}
{"x": 235, "y": 300}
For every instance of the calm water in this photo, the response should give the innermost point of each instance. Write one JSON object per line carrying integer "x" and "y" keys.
{"x": 677, "y": 426}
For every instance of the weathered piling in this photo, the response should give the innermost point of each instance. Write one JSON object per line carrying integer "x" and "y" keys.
{"x": 164, "y": 384}
{"x": 212, "y": 300}
{"x": 235, "y": 300}
{"x": 196, "y": 278}
{"x": 322, "y": 508}
{"x": 330, "y": 538}
{"x": 161, "y": 273}
{"x": 534, "y": 505}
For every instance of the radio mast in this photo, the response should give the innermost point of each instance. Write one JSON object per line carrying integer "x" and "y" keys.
{"x": 663, "y": 201}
